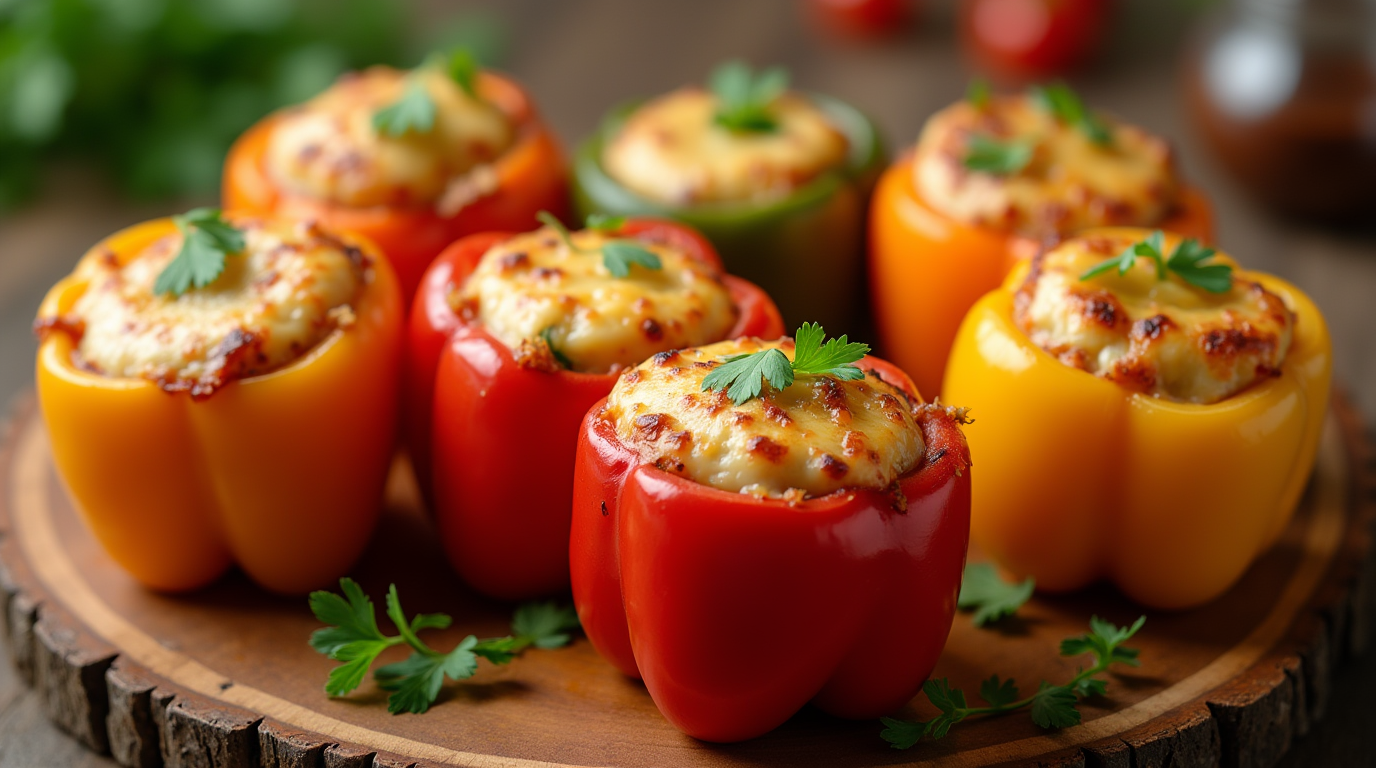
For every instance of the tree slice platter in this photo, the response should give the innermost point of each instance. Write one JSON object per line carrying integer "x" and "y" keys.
{"x": 224, "y": 677}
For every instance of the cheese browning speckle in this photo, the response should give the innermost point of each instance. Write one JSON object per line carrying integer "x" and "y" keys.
{"x": 820, "y": 435}
{"x": 291, "y": 288}
{"x": 539, "y": 297}
{"x": 671, "y": 150}
{"x": 1158, "y": 337}
{"x": 328, "y": 148}
{"x": 1070, "y": 184}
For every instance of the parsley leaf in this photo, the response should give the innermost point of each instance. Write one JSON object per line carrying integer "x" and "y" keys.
{"x": 1052, "y": 706}
{"x": 744, "y": 98}
{"x": 990, "y": 597}
{"x": 1002, "y": 158}
{"x": 462, "y": 67}
{"x": 547, "y": 336}
{"x": 1186, "y": 261}
{"x": 206, "y": 240}
{"x": 1065, "y": 105}
{"x": 414, "y": 112}
{"x": 355, "y": 640}
{"x": 617, "y": 255}
{"x": 978, "y": 93}
{"x": 739, "y": 376}
{"x": 602, "y": 222}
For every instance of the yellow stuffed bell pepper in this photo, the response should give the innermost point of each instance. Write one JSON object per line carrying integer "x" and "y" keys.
{"x": 1152, "y": 423}
{"x": 247, "y": 421}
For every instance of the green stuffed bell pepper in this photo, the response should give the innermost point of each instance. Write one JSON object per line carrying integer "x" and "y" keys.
{"x": 778, "y": 180}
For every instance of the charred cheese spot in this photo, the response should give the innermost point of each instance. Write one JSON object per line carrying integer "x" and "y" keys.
{"x": 819, "y": 435}
{"x": 328, "y": 149}
{"x": 1071, "y": 183}
{"x": 672, "y": 151}
{"x": 291, "y": 288}
{"x": 1159, "y": 337}
{"x": 596, "y": 321}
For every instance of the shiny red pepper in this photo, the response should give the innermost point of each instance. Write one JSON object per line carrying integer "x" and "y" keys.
{"x": 493, "y": 441}
{"x": 737, "y": 611}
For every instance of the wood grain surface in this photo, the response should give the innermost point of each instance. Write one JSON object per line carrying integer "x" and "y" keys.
{"x": 578, "y": 57}
{"x": 225, "y": 677}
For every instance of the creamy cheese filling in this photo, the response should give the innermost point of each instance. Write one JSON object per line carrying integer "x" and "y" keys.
{"x": 555, "y": 305}
{"x": 820, "y": 435}
{"x": 291, "y": 288}
{"x": 1070, "y": 184}
{"x": 329, "y": 148}
{"x": 1164, "y": 338}
{"x": 670, "y": 150}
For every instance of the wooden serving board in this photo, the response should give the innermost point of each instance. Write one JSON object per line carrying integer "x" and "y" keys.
{"x": 225, "y": 677}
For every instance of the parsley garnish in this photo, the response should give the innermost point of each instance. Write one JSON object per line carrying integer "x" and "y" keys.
{"x": 206, "y": 240}
{"x": 462, "y": 67}
{"x": 978, "y": 93}
{"x": 414, "y": 112}
{"x": 1002, "y": 158}
{"x": 742, "y": 377}
{"x": 1052, "y": 706}
{"x": 617, "y": 255}
{"x": 1066, "y": 106}
{"x": 990, "y": 597}
{"x": 547, "y": 336}
{"x": 1186, "y": 261}
{"x": 744, "y": 97}
{"x": 354, "y": 639}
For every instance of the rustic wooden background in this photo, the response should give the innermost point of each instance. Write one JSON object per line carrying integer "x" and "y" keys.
{"x": 579, "y": 58}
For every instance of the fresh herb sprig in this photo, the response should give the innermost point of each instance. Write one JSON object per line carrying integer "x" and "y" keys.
{"x": 991, "y": 598}
{"x": 1065, "y": 105}
{"x": 742, "y": 377}
{"x": 1052, "y": 706}
{"x": 1186, "y": 262}
{"x": 206, "y": 240}
{"x": 745, "y": 98}
{"x": 617, "y": 255}
{"x": 415, "y": 111}
{"x": 999, "y": 157}
{"x": 355, "y": 640}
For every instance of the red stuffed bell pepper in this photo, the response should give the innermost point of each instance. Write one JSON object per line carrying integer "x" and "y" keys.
{"x": 828, "y": 519}
{"x": 512, "y": 338}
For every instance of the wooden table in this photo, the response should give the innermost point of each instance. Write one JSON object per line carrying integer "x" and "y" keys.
{"x": 579, "y": 58}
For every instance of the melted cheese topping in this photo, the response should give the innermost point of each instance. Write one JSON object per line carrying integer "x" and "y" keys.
{"x": 546, "y": 301}
{"x": 328, "y": 149}
{"x": 1070, "y": 184}
{"x": 1160, "y": 337}
{"x": 820, "y": 435}
{"x": 290, "y": 288}
{"x": 672, "y": 151}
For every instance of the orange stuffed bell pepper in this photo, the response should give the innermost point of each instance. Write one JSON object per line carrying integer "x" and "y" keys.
{"x": 1153, "y": 427}
{"x": 990, "y": 180}
{"x": 829, "y": 509}
{"x": 411, "y": 160}
{"x": 512, "y": 338}
{"x": 205, "y": 418}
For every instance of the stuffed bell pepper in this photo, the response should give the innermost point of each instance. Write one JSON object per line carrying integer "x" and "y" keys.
{"x": 412, "y": 160}
{"x": 991, "y": 179}
{"x": 512, "y": 338}
{"x": 778, "y": 180}
{"x": 822, "y": 517}
{"x": 223, "y": 391}
{"x": 1149, "y": 410}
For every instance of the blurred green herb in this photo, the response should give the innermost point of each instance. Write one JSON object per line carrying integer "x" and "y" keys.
{"x": 745, "y": 97}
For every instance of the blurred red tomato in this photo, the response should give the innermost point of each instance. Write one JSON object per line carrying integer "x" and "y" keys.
{"x": 1032, "y": 38}
{"x": 862, "y": 18}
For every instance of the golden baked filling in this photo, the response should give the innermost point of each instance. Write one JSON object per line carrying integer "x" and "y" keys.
{"x": 1160, "y": 337}
{"x": 292, "y": 286}
{"x": 821, "y": 434}
{"x": 557, "y": 306}
{"x": 673, "y": 151}
{"x": 330, "y": 149}
{"x": 1070, "y": 181}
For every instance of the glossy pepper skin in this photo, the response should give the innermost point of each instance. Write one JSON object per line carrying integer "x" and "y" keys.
{"x": 281, "y": 473}
{"x": 493, "y": 441}
{"x": 927, "y": 269}
{"x": 806, "y": 249}
{"x": 846, "y": 600}
{"x": 532, "y": 176}
{"x": 1169, "y": 501}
